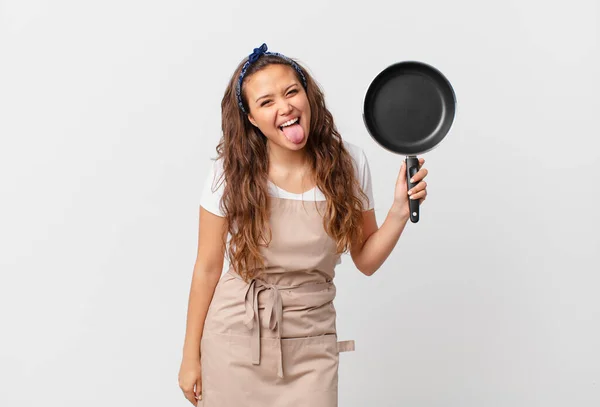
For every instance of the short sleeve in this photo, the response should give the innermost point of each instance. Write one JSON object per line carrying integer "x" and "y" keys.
{"x": 212, "y": 191}
{"x": 364, "y": 178}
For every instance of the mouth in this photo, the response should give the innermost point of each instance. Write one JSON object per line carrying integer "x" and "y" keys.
{"x": 289, "y": 123}
{"x": 293, "y": 131}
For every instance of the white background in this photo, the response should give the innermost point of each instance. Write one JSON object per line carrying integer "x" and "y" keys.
{"x": 110, "y": 113}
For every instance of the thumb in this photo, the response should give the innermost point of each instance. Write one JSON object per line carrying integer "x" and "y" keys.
{"x": 402, "y": 173}
{"x": 199, "y": 389}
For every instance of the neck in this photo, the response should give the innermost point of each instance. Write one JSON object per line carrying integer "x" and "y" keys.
{"x": 283, "y": 158}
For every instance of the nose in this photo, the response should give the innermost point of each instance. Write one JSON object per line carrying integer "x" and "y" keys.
{"x": 285, "y": 107}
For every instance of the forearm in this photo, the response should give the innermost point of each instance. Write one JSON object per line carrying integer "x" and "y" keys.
{"x": 380, "y": 244}
{"x": 202, "y": 289}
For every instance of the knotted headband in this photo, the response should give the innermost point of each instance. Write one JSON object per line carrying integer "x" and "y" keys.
{"x": 252, "y": 58}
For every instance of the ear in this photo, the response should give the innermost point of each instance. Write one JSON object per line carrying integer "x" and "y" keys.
{"x": 252, "y": 120}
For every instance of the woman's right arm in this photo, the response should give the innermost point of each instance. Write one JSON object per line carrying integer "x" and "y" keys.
{"x": 207, "y": 272}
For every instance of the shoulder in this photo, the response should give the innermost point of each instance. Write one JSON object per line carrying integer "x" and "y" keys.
{"x": 217, "y": 170}
{"x": 354, "y": 150}
{"x": 212, "y": 191}
{"x": 362, "y": 171}
{"x": 357, "y": 154}
{"x": 215, "y": 180}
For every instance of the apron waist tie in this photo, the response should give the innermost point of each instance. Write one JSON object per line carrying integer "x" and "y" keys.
{"x": 273, "y": 313}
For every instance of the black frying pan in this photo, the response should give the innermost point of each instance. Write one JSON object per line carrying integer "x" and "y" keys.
{"x": 408, "y": 109}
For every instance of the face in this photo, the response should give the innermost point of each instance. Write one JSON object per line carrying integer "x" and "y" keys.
{"x": 279, "y": 106}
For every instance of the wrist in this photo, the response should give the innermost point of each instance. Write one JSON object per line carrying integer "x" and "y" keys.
{"x": 399, "y": 211}
{"x": 191, "y": 355}
{"x": 191, "y": 358}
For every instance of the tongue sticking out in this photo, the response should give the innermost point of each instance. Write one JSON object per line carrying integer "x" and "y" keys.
{"x": 294, "y": 133}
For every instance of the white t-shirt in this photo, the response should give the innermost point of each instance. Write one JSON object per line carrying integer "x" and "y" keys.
{"x": 213, "y": 186}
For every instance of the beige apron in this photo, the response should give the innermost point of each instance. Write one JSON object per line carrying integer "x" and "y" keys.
{"x": 273, "y": 342}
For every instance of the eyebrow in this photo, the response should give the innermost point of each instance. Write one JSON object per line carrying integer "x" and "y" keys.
{"x": 269, "y": 95}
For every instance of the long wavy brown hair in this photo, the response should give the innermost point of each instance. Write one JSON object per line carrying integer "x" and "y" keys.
{"x": 245, "y": 200}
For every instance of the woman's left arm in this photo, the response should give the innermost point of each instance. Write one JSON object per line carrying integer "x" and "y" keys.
{"x": 378, "y": 242}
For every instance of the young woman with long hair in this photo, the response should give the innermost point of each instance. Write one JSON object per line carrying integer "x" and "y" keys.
{"x": 285, "y": 197}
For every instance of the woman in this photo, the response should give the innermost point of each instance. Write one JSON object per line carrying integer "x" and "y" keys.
{"x": 293, "y": 196}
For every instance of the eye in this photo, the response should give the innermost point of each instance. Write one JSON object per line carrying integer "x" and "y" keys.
{"x": 265, "y": 102}
{"x": 293, "y": 91}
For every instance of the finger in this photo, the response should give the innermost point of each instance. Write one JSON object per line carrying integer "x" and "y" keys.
{"x": 189, "y": 394}
{"x": 418, "y": 195}
{"x": 422, "y": 173}
{"x": 418, "y": 188}
{"x": 422, "y": 200}
{"x": 421, "y": 162}
{"x": 199, "y": 389}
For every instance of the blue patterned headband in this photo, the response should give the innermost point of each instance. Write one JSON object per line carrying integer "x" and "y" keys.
{"x": 262, "y": 50}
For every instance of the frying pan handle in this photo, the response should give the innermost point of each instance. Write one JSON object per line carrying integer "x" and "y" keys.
{"x": 412, "y": 167}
